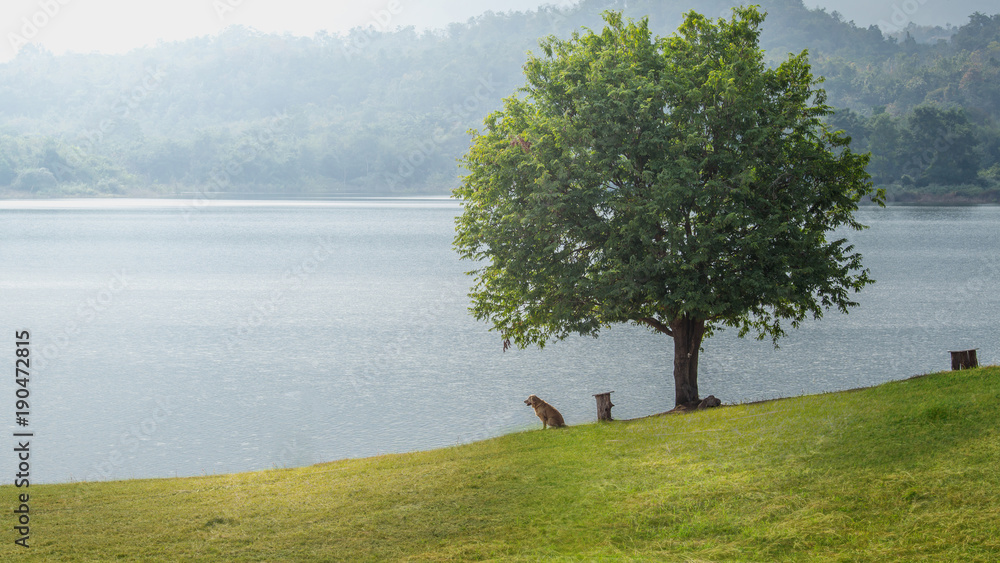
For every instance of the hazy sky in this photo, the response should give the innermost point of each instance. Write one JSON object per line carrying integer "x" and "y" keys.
{"x": 890, "y": 14}
{"x": 115, "y": 26}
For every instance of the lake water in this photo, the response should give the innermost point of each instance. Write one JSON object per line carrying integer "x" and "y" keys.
{"x": 174, "y": 338}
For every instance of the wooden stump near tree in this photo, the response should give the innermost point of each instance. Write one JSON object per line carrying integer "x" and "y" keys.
{"x": 964, "y": 359}
{"x": 604, "y": 405}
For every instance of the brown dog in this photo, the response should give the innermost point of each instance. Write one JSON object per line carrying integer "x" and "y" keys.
{"x": 546, "y": 412}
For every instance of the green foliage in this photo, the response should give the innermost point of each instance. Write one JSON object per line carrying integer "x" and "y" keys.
{"x": 46, "y": 167}
{"x": 982, "y": 32}
{"x": 34, "y": 180}
{"x": 7, "y": 172}
{"x": 648, "y": 180}
{"x": 930, "y": 146}
{"x": 929, "y": 113}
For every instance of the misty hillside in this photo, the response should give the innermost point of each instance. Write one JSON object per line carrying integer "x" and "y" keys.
{"x": 389, "y": 111}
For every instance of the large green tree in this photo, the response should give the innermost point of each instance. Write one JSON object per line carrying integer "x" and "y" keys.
{"x": 679, "y": 183}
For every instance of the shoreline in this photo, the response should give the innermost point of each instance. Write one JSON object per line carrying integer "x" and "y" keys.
{"x": 201, "y": 198}
{"x": 669, "y": 413}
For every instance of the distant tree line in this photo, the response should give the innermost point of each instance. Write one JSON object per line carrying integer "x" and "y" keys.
{"x": 929, "y": 113}
{"x": 928, "y": 153}
{"x": 389, "y": 111}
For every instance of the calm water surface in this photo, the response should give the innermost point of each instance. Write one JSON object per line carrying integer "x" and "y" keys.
{"x": 174, "y": 339}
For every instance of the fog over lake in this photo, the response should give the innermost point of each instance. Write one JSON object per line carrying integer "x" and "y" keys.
{"x": 186, "y": 337}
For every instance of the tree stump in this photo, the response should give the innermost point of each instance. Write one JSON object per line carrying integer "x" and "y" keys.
{"x": 604, "y": 405}
{"x": 962, "y": 359}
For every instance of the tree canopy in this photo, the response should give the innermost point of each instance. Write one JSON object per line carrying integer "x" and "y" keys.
{"x": 680, "y": 183}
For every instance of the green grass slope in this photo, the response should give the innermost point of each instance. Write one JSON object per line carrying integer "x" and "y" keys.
{"x": 906, "y": 471}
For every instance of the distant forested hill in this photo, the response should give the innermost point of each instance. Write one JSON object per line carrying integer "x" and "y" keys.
{"x": 377, "y": 111}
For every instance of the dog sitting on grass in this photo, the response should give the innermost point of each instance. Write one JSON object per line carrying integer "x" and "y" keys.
{"x": 546, "y": 412}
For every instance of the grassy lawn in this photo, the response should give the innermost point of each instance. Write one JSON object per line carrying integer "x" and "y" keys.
{"x": 906, "y": 471}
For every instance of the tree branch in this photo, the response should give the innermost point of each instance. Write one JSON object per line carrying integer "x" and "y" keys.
{"x": 657, "y": 325}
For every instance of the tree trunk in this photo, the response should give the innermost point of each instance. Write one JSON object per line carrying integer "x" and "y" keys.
{"x": 687, "y": 341}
